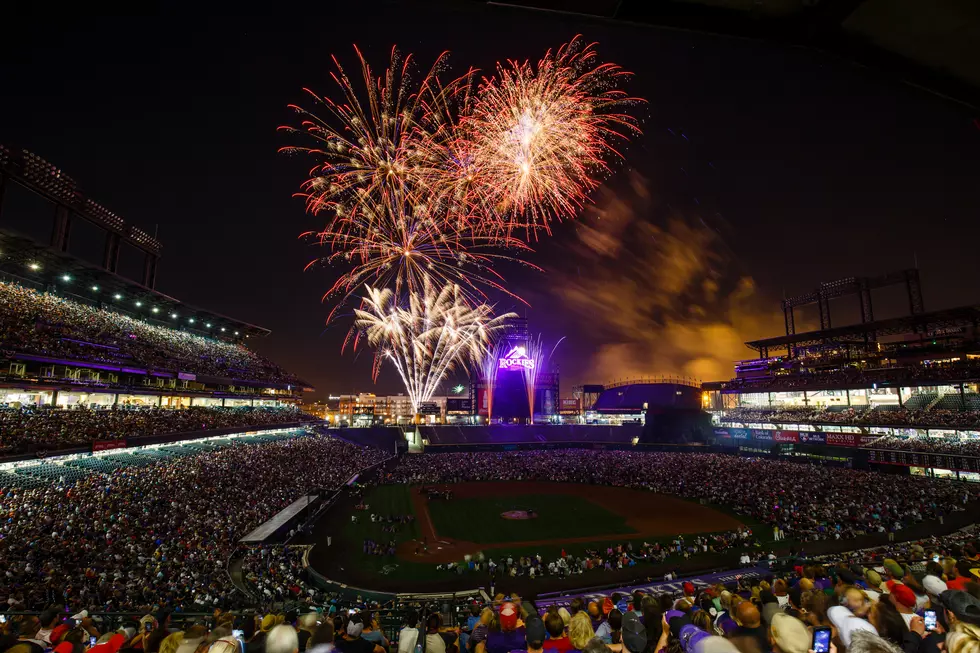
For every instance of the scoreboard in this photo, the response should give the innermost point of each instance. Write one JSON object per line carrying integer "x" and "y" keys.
{"x": 918, "y": 459}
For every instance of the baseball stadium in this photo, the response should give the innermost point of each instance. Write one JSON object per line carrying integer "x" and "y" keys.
{"x": 425, "y": 448}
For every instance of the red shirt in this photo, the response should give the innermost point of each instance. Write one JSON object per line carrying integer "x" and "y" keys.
{"x": 559, "y": 644}
{"x": 958, "y": 583}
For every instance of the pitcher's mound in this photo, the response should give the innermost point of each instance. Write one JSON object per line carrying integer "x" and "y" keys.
{"x": 519, "y": 514}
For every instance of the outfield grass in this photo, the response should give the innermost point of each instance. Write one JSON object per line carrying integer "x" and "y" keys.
{"x": 383, "y": 500}
{"x": 477, "y": 519}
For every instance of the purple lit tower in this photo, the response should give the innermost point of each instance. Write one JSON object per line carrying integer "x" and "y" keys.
{"x": 515, "y": 378}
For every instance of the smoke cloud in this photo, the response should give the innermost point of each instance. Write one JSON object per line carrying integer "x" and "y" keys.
{"x": 661, "y": 292}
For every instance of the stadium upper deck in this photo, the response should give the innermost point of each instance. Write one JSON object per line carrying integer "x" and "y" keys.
{"x": 75, "y": 333}
{"x": 921, "y": 370}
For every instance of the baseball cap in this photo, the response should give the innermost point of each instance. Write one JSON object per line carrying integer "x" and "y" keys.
{"x": 934, "y": 585}
{"x": 715, "y": 644}
{"x": 789, "y": 633}
{"x": 688, "y": 587}
{"x": 268, "y": 622}
{"x": 690, "y": 636}
{"x": 634, "y": 633}
{"x": 607, "y": 605}
{"x": 873, "y": 577}
{"x": 534, "y": 630}
{"x": 847, "y": 624}
{"x": 963, "y": 605}
{"x": 902, "y": 593}
{"x": 508, "y": 616}
{"x": 893, "y": 568}
{"x": 354, "y": 629}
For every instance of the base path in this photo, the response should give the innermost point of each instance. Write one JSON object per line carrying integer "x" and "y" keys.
{"x": 651, "y": 515}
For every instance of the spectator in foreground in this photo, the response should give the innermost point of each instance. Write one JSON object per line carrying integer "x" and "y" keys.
{"x": 788, "y": 634}
{"x": 282, "y": 639}
{"x": 510, "y": 636}
{"x": 408, "y": 636}
{"x": 352, "y": 642}
{"x": 557, "y": 641}
{"x": 534, "y": 633}
{"x": 437, "y": 638}
{"x": 580, "y": 629}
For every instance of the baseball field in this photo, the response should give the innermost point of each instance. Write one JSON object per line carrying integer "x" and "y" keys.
{"x": 501, "y": 519}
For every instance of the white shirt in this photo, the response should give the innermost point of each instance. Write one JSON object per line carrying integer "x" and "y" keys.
{"x": 407, "y": 639}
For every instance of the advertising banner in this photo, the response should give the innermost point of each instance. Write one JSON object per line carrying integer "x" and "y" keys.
{"x": 786, "y": 436}
{"x": 105, "y": 445}
{"x": 459, "y": 405}
{"x": 762, "y": 435}
{"x": 812, "y": 437}
{"x": 843, "y": 439}
{"x": 674, "y": 586}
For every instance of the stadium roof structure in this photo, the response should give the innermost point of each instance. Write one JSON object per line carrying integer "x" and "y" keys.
{"x": 929, "y": 45}
{"x": 31, "y": 263}
{"x": 926, "y": 324}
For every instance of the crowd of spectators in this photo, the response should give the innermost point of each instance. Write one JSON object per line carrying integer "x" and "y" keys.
{"x": 277, "y": 574}
{"x": 46, "y": 324}
{"x": 859, "y": 416}
{"x": 613, "y": 557}
{"x": 157, "y": 534}
{"x": 806, "y": 502}
{"x": 34, "y": 430}
{"x": 969, "y": 447}
{"x": 855, "y": 377}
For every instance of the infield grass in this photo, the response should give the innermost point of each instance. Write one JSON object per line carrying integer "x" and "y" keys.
{"x": 477, "y": 519}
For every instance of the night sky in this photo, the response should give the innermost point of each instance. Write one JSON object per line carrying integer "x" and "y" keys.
{"x": 763, "y": 170}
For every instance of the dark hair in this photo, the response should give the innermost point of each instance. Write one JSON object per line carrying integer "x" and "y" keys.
{"x": 248, "y": 629}
{"x": 411, "y": 618}
{"x": 152, "y": 642}
{"x": 891, "y": 625}
{"x": 324, "y": 634}
{"x": 554, "y": 624}
{"x": 575, "y": 606}
{"x": 432, "y": 622}
{"x": 532, "y": 643}
{"x": 615, "y": 619}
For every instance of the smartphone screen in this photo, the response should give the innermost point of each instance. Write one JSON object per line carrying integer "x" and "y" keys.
{"x": 821, "y": 640}
{"x": 92, "y": 640}
{"x": 239, "y": 634}
{"x": 149, "y": 626}
{"x": 3, "y": 618}
{"x": 930, "y": 619}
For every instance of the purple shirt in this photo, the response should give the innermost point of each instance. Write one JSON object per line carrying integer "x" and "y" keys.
{"x": 505, "y": 641}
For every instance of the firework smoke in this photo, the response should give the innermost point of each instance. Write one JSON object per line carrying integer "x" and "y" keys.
{"x": 665, "y": 295}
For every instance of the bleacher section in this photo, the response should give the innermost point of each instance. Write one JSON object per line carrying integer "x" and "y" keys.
{"x": 60, "y": 330}
{"x": 921, "y": 401}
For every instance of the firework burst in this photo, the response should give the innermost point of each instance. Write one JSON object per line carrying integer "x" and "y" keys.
{"x": 395, "y": 243}
{"x": 428, "y": 335}
{"x": 538, "y": 136}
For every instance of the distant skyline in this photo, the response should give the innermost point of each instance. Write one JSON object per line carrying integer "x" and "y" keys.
{"x": 763, "y": 170}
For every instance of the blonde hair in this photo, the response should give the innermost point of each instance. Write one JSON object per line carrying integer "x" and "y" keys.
{"x": 486, "y": 617}
{"x": 949, "y": 566}
{"x": 963, "y": 638}
{"x": 580, "y": 630}
{"x": 565, "y": 615}
{"x": 171, "y": 642}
